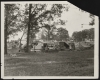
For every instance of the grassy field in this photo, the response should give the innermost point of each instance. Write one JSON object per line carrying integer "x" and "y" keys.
{"x": 63, "y": 63}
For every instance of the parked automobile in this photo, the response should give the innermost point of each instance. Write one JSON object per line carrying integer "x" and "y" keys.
{"x": 49, "y": 47}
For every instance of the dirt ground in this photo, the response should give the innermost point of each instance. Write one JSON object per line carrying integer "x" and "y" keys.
{"x": 63, "y": 63}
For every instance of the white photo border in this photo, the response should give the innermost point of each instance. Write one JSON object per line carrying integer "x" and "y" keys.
{"x": 96, "y": 53}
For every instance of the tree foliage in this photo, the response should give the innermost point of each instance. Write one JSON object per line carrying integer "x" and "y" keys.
{"x": 84, "y": 34}
{"x": 92, "y": 19}
{"x": 62, "y": 34}
{"x": 12, "y": 13}
{"x": 40, "y": 14}
{"x": 32, "y": 19}
{"x": 11, "y": 21}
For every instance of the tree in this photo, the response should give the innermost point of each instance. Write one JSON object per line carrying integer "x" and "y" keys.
{"x": 84, "y": 34}
{"x": 92, "y": 22}
{"x": 11, "y": 14}
{"x": 62, "y": 34}
{"x": 74, "y": 35}
{"x": 28, "y": 33}
{"x": 49, "y": 32}
{"x": 20, "y": 39}
{"x": 39, "y": 14}
{"x": 77, "y": 36}
{"x": 92, "y": 19}
{"x": 91, "y": 33}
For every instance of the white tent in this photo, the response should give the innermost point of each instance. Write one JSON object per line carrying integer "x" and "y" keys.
{"x": 37, "y": 47}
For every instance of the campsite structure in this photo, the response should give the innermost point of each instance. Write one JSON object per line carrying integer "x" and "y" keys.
{"x": 38, "y": 45}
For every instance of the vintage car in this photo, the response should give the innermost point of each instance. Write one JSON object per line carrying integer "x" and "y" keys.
{"x": 48, "y": 46}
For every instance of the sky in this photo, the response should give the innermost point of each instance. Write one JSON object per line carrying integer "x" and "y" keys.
{"x": 74, "y": 18}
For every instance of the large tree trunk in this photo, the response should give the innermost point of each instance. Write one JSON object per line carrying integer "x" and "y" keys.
{"x": 6, "y": 28}
{"x": 28, "y": 33}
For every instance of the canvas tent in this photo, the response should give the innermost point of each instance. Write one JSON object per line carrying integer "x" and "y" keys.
{"x": 37, "y": 47}
{"x": 44, "y": 45}
{"x": 63, "y": 45}
{"x": 50, "y": 45}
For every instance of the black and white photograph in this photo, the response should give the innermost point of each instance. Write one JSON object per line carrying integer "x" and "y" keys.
{"x": 45, "y": 40}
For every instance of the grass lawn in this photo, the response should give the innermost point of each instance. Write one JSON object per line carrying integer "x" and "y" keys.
{"x": 63, "y": 63}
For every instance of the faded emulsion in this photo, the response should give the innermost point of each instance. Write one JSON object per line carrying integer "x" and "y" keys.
{"x": 44, "y": 39}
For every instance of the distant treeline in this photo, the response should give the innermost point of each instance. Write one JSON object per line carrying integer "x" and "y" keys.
{"x": 83, "y": 35}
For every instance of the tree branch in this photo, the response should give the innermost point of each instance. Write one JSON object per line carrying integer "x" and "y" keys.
{"x": 41, "y": 15}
